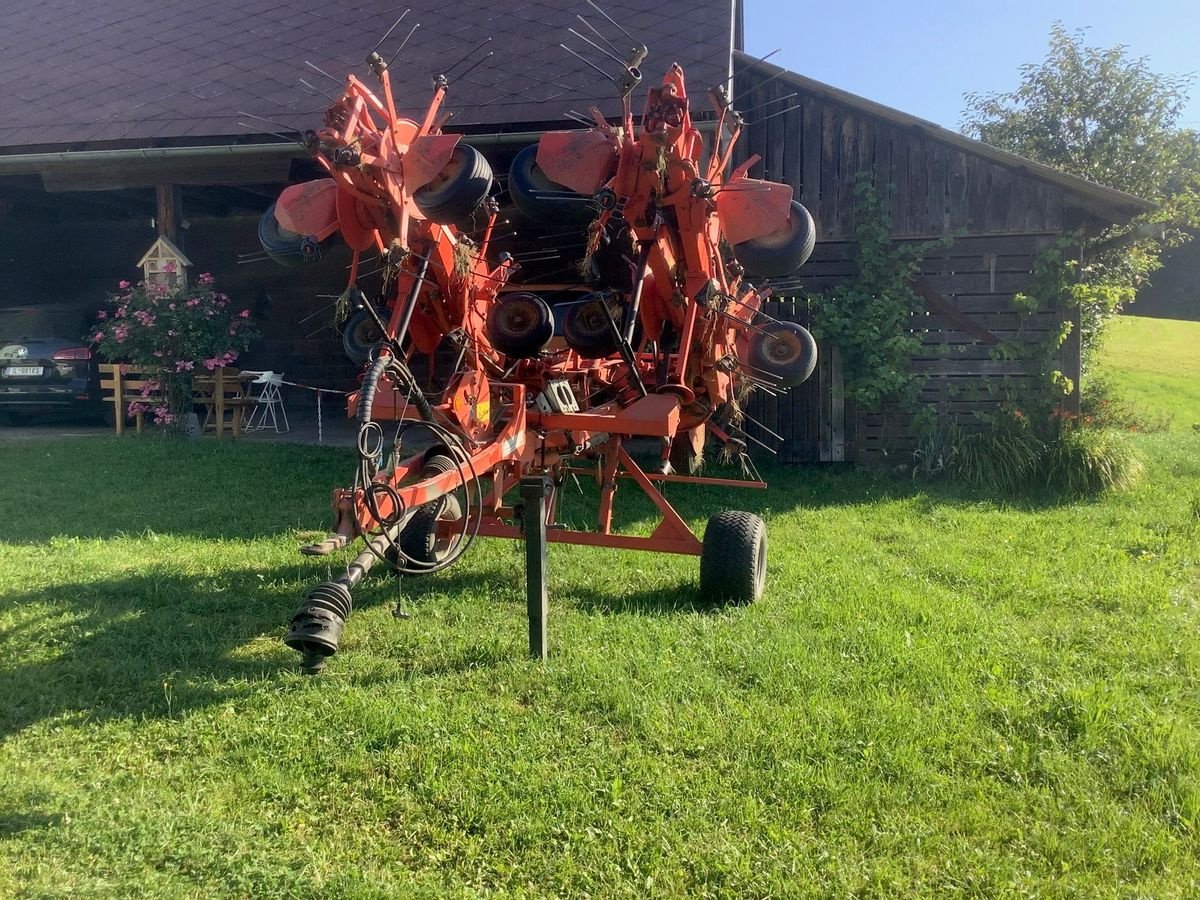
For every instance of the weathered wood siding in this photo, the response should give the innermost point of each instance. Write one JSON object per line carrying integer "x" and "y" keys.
{"x": 820, "y": 147}
{"x": 1000, "y": 219}
{"x": 978, "y": 278}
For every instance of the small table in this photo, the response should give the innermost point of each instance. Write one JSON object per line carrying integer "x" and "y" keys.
{"x": 224, "y": 400}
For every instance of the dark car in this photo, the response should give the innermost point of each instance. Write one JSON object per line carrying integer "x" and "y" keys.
{"x": 46, "y": 364}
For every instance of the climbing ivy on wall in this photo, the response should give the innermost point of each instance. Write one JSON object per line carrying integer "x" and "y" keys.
{"x": 868, "y": 317}
{"x": 1053, "y": 288}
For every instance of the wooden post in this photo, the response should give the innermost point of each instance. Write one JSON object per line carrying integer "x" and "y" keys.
{"x": 534, "y": 489}
{"x": 219, "y": 399}
{"x": 119, "y": 397}
{"x": 837, "y": 385}
{"x": 168, "y": 204}
{"x": 1071, "y": 355}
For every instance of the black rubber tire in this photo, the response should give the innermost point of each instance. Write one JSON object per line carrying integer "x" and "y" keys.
{"x": 784, "y": 349}
{"x": 459, "y": 189}
{"x": 418, "y": 539}
{"x": 683, "y": 458}
{"x": 586, "y": 329}
{"x": 733, "y": 563}
{"x": 286, "y": 247}
{"x": 783, "y": 252}
{"x": 530, "y": 191}
{"x": 360, "y": 335}
{"x": 520, "y": 325}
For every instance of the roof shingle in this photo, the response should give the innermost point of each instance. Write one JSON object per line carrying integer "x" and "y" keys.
{"x": 142, "y": 71}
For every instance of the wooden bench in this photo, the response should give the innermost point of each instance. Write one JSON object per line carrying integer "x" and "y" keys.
{"x": 220, "y": 392}
{"x": 122, "y": 384}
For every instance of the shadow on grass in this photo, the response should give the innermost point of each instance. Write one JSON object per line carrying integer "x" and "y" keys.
{"x": 103, "y": 486}
{"x": 818, "y": 486}
{"x": 681, "y": 599}
{"x": 14, "y": 822}
{"x": 158, "y": 644}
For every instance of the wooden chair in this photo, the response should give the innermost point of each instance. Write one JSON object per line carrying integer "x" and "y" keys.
{"x": 224, "y": 400}
{"x": 122, "y": 384}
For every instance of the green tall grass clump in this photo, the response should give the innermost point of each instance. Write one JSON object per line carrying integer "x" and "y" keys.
{"x": 1090, "y": 461}
{"x": 1003, "y": 457}
{"x": 1007, "y": 454}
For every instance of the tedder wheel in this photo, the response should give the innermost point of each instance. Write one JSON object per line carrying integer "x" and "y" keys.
{"x": 684, "y": 457}
{"x": 785, "y": 350}
{"x": 520, "y": 325}
{"x": 586, "y": 327}
{"x": 782, "y": 252}
{"x": 733, "y": 563}
{"x": 458, "y": 189}
{"x": 542, "y": 199}
{"x": 285, "y": 247}
{"x": 419, "y": 539}
{"x": 360, "y": 334}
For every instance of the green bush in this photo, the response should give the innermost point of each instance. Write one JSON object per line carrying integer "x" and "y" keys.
{"x": 1007, "y": 454}
{"x": 1088, "y": 460}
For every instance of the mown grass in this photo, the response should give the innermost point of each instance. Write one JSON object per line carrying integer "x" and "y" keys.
{"x": 941, "y": 693}
{"x": 1156, "y": 364}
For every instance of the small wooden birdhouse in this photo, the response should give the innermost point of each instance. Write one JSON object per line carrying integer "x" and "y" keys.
{"x": 165, "y": 264}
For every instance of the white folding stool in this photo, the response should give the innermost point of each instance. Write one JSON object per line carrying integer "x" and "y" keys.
{"x": 268, "y": 403}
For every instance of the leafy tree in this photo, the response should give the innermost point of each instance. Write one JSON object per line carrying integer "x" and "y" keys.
{"x": 1104, "y": 116}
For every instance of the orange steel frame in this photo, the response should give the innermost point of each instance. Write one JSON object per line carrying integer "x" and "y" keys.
{"x": 378, "y": 160}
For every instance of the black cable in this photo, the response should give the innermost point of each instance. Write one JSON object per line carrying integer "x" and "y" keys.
{"x": 458, "y": 455}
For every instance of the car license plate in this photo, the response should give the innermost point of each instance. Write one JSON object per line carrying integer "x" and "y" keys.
{"x": 26, "y": 371}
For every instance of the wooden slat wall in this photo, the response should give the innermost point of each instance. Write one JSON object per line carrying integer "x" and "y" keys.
{"x": 979, "y": 277}
{"x": 820, "y": 147}
{"x": 1000, "y": 219}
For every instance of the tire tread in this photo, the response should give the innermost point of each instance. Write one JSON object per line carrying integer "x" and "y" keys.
{"x": 729, "y": 559}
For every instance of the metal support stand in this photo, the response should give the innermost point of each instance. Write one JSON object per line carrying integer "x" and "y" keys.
{"x": 534, "y": 490}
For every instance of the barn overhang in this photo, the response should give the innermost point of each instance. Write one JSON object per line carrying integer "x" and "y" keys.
{"x": 211, "y": 164}
{"x": 1086, "y": 199}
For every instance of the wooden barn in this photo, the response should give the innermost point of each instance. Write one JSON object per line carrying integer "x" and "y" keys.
{"x": 128, "y": 120}
{"x": 1001, "y": 209}
{"x": 135, "y": 121}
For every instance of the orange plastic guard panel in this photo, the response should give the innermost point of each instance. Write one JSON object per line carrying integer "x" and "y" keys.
{"x": 580, "y": 160}
{"x": 308, "y": 208}
{"x": 654, "y": 416}
{"x": 749, "y": 208}
{"x": 426, "y": 157}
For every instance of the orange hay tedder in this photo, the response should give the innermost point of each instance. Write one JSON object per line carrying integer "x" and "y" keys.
{"x": 661, "y": 339}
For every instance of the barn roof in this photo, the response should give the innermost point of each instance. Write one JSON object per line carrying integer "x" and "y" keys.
{"x": 137, "y": 73}
{"x": 160, "y": 73}
{"x": 1104, "y": 202}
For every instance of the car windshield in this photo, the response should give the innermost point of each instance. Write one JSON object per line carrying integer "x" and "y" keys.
{"x": 68, "y": 322}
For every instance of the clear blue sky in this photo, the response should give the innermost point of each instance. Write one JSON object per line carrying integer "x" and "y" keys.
{"x": 921, "y": 56}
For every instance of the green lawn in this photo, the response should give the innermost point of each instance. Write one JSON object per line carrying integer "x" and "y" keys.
{"x": 940, "y": 694}
{"x": 1156, "y": 364}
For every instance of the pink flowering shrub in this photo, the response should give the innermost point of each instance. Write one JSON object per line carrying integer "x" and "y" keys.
{"x": 175, "y": 331}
